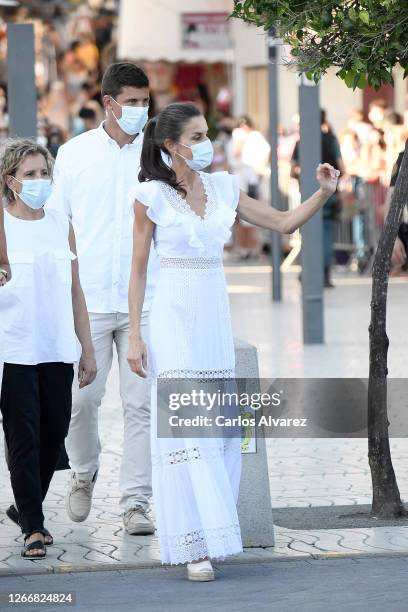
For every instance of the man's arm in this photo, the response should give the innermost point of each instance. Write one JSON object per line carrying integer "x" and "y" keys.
{"x": 60, "y": 198}
{"x": 87, "y": 364}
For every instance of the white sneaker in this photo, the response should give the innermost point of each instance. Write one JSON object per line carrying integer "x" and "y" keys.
{"x": 136, "y": 522}
{"x": 78, "y": 500}
{"x": 200, "y": 572}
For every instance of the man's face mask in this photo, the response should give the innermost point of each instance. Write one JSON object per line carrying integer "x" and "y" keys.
{"x": 133, "y": 118}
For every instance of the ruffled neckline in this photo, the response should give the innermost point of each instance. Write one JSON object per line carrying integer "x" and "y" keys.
{"x": 180, "y": 204}
{"x": 218, "y": 220}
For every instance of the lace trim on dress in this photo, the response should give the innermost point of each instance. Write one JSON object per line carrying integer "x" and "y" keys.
{"x": 185, "y": 373}
{"x": 180, "y": 204}
{"x": 216, "y": 543}
{"x": 200, "y": 263}
{"x": 210, "y": 193}
{"x": 185, "y": 455}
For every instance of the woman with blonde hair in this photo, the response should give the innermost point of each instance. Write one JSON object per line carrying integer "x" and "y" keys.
{"x": 42, "y": 316}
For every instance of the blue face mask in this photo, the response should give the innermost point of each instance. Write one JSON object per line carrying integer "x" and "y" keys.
{"x": 133, "y": 118}
{"x": 35, "y": 192}
{"x": 203, "y": 153}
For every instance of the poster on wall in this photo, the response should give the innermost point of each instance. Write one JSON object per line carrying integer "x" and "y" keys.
{"x": 205, "y": 31}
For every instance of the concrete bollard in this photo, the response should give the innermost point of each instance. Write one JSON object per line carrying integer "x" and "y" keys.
{"x": 254, "y": 502}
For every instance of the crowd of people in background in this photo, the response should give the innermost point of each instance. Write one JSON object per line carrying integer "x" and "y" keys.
{"x": 72, "y": 52}
{"x": 364, "y": 151}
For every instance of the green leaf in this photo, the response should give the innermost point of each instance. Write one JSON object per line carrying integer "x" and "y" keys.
{"x": 365, "y": 17}
{"x": 327, "y": 19}
{"x": 359, "y": 81}
{"x": 349, "y": 78}
{"x": 359, "y": 65}
{"x": 348, "y": 25}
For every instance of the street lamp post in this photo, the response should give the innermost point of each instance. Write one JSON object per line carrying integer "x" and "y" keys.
{"x": 22, "y": 97}
{"x": 273, "y": 54}
{"x": 312, "y": 231}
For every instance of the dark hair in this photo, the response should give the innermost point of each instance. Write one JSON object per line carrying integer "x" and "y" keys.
{"x": 87, "y": 113}
{"x": 169, "y": 123}
{"x": 122, "y": 74}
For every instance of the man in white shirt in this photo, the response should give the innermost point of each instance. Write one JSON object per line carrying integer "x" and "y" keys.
{"x": 94, "y": 174}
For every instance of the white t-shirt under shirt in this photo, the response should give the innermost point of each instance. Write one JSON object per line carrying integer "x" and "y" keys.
{"x": 93, "y": 177}
{"x": 36, "y": 314}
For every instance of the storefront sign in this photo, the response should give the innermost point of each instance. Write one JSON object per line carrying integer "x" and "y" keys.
{"x": 205, "y": 31}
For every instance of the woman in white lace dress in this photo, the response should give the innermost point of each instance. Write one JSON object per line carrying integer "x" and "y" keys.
{"x": 189, "y": 215}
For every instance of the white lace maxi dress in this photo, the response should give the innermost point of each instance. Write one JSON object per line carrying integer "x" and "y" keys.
{"x": 195, "y": 481}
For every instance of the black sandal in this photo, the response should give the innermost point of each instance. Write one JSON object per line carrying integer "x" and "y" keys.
{"x": 38, "y": 545}
{"x": 13, "y": 515}
{"x": 47, "y": 534}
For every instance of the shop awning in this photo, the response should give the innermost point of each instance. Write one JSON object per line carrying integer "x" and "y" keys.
{"x": 153, "y": 30}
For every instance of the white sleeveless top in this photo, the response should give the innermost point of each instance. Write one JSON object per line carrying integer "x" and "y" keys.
{"x": 36, "y": 314}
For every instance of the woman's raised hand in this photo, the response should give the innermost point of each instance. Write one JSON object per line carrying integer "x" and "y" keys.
{"x": 137, "y": 357}
{"x": 327, "y": 177}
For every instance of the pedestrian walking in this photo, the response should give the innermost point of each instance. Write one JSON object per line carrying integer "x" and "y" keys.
{"x": 189, "y": 214}
{"x": 43, "y": 316}
{"x": 399, "y": 253}
{"x": 331, "y": 154}
{"x": 250, "y": 161}
{"x": 94, "y": 173}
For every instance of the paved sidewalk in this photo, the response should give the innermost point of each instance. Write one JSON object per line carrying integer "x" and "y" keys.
{"x": 303, "y": 472}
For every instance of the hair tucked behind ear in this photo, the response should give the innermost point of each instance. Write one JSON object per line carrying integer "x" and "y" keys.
{"x": 169, "y": 123}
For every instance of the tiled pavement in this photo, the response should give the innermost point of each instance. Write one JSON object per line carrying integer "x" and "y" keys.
{"x": 303, "y": 472}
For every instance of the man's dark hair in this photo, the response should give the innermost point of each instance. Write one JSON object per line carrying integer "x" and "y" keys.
{"x": 122, "y": 74}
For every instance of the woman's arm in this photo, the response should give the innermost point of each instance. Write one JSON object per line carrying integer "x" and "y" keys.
{"x": 286, "y": 222}
{"x": 142, "y": 238}
{"x": 87, "y": 364}
{"x": 4, "y": 262}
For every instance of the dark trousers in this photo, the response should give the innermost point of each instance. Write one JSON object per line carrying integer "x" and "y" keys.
{"x": 328, "y": 237}
{"x": 36, "y": 405}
